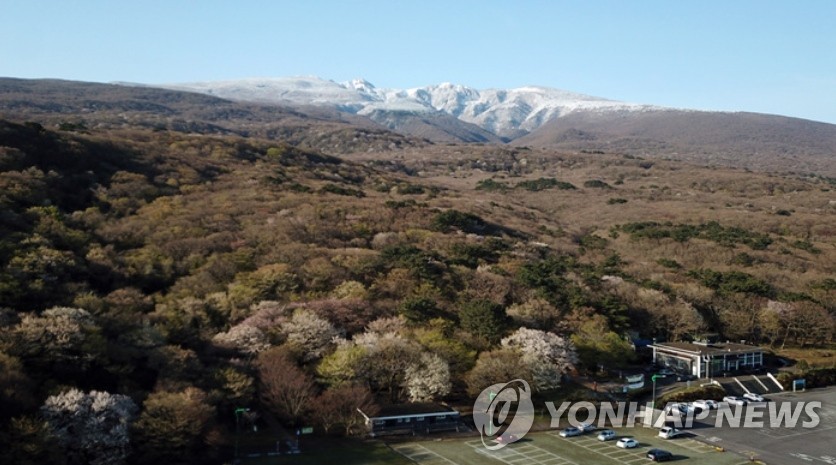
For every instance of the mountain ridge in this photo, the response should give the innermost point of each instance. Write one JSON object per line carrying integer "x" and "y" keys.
{"x": 507, "y": 113}
{"x": 344, "y": 120}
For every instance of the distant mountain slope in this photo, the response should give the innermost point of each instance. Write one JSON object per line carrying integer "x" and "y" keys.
{"x": 544, "y": 117}
{"x": 357, "y": 117}
{"x": 749, "y": 140}
{"x": 52, "y": 101}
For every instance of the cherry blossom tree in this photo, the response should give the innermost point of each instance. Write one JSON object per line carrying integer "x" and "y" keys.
{"x": 246, "y": 339}
{"x": 308, "y": 334}
{"x": 547, "y": 355}
{"x": 92, "y": 428}
{"x": 428, "y": 378}
{"x": 58, "y": 335}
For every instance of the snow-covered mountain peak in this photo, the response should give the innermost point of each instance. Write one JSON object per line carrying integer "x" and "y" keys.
{"x": 360, "y": 85}
{"x": 505, "y": 112}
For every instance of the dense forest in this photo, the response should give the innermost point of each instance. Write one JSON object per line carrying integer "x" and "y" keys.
{"x": 153, "y": 281}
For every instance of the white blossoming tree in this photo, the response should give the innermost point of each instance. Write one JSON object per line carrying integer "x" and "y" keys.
{"x": 92, "y": 428}
{"x": 59, "y": 335}
{"x": 547, "y": 355}
{"x": 387, "y": 363}
{"x": 428, "y": 378}
{"x": 247, "y": 339}
{"x": 311, "y": 335}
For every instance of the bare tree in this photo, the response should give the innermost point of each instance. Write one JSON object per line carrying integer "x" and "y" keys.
{"x": 339, "y": 405}
{"x": 285, "y": 388}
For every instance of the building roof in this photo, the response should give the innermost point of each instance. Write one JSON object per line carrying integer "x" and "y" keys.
{"x": 411, "y": 410}
{"x": 716, "y": 348}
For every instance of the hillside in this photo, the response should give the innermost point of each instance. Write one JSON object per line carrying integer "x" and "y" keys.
{"x": 186, "y": 256}
{"x": 109, "y": 106}
{"x": 747, "y": 140}
{"x": 544, "y": 117}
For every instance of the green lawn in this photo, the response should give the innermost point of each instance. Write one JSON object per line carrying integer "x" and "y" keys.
{"x": 319, "y": 450}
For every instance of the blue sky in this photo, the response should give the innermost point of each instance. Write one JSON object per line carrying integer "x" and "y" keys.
{"x": 765, "y": 56}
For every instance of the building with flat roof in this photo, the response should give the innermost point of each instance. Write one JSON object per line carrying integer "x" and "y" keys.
{"x": 707, "y": 359}
{"x": 415, "y": 418}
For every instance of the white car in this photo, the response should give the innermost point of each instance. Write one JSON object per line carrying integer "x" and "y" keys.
{"x": 669, "y": 433}
{"x": 734, "y": 400}
{"x": 705, "y": 404}
{"x": 751, "y": 396}
{"x": 569, "y": 432}
{"x": 606, "y": 435}
{"x": 679, "y": 408}
{"x": 586, "y": 427}
{"x": 627, "y": 443}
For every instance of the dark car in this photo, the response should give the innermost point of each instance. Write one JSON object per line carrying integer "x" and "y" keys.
{"x": 685, "y": 377}
{"x": 659, "y": 455}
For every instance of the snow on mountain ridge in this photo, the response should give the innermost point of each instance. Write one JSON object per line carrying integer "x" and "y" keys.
{"x": 505, "y": 112}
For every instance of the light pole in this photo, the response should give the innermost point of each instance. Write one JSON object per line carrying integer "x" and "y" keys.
{"x": 238, "y": 412}
{"x": 653, "y": 403}
{"x": 491, "y": 397}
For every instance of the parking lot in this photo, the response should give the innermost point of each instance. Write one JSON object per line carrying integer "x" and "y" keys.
{"x": 547, "y": 448}
{"x": 703, "y": 444}
{"x": 780, "y": 446}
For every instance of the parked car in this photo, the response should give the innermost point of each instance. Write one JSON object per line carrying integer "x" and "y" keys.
{"x": 685, "y": 377}
{"x": 606, "y": 435}
{"x": 752, "y": 397}
{"x": 586, "y": 427}
{"x": 667, "y": 432}
{"x": 569, "y": 432}
{"x": 705, "y": 404}
{"x": 665, "y": 372}
{"x": 627, "y": 443}
{"x": 679, "y": 408}
{"x": 734, "y": 400}
{"x": 506, "y": 438}
{"x": 659, "y": 455}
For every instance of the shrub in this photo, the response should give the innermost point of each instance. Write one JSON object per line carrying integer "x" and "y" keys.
{"x": 398, "y": 204}
{"x": 710, "y": 392}
{"x": 806, "y": 246}
{"x": 733, "y": 281}
{"x": 596, "y": 184}
{"x": 543, "y": 184}
{"x": 491, "y": 185}
{"x": 472, "y": 255}
{"x": 669, "y": 263}
{"x": 616, "y": 201}
{"x": 454, "y": 219}
{"x": 339, "y": 190}
{"x": 410, "y": 189}
{"x": 712, "y": 231}
{"x": 483, "y": 318}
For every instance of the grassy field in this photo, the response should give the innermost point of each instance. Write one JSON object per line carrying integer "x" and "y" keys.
{"x": 318, "y": 450}
{"x": 813, "y": 358}
{"x": 542, "y": 448}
